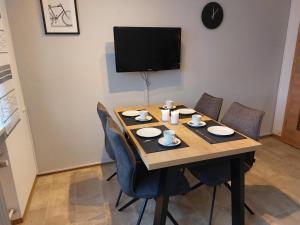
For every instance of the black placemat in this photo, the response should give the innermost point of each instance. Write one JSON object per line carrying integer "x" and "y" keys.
{"x": 213, "y": 139}
{"x": 180, "y": 115}
{"x": 130, "y": 121}
{"x": 151, "y": 145}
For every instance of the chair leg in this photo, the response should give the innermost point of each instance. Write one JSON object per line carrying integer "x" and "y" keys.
{"x": 227, "y": 186}
{"x": 196, "y": 186}
{"x": 114, "y": 174}
{"x": 118, "y": 200}
{"x": 142, "y": 212}
{"x": 128, "y": 204}
{"x": 212, "y": 205}
{"x": 172, "y": 218}
{"x": 193, "y": 188}
{"x": 249, "y": 209}
{"x": 245, "y": 204}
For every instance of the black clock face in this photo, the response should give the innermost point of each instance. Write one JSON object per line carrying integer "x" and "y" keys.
{"x": 212, "y": 15}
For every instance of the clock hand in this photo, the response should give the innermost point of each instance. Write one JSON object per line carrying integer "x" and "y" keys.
{"x": 214, "y": 13}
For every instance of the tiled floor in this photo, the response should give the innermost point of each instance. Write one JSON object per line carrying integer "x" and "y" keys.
{"x": 83, "y": 197}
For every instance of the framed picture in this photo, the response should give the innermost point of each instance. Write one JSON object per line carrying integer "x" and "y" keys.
{"x": 60, "y": 16}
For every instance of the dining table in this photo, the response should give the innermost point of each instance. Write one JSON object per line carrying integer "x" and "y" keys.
{"x": 197, "y": 148}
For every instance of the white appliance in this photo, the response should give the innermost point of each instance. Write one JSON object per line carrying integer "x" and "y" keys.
{"x": 17, "y": 153}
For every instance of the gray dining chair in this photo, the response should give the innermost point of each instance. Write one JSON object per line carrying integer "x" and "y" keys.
{"x": 246, "y": 121}
{"x": 134, "y": 178}
{"x": 209, "y": 106}
{"x": 104, "y": 115}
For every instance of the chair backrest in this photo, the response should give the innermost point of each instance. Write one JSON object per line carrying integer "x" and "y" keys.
{"x": 246, "y": 121}
{"x": 125, "y": 159}
{"x": 104, "y": 115}
{"x": 209, "y": 106}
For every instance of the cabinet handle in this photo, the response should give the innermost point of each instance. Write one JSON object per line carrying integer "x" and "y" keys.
{"x": 11, "y": 213}
{"x": 4, "y": 163}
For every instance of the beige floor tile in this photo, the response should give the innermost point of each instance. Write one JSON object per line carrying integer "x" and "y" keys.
{"x": 84, "y": 197}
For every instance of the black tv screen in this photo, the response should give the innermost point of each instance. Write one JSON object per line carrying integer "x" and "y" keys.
{"x": 147, "y": 48}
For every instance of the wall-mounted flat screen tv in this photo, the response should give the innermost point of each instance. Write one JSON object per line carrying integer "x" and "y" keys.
{"x": 147, "y": 48}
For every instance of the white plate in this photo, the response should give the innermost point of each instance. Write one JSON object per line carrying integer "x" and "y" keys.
{"x": 186, "y": 111}
{"x": 202, "y": 124}
{"x": 131, "y": 113}
{"x": 148, "y": 118}
{"x": 220, "y": 130}
{"x": 176, "y": 142}
{"x": 148, "y": 132}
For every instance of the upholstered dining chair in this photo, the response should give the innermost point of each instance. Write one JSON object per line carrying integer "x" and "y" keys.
{"x": 209, "y": 106}
{"x": 104, "y": 115}
{"x": 246, "y": 121}
{"x": 134, "y": 178}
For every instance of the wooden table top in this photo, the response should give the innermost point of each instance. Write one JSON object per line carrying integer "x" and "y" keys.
{"x": 198, "y": 150}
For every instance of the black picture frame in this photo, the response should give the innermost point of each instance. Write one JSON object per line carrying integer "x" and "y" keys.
{"x": 46, "y": 30}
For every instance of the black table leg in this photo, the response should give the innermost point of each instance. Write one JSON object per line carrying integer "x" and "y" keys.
{"x": 238, "y": 191}
{"x": 167, "y": 177}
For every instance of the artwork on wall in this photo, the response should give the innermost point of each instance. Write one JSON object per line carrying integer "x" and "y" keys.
{"x": 9, "y": 110}
{"x": 3, "y": 43}
{"x": 60, "y": 16}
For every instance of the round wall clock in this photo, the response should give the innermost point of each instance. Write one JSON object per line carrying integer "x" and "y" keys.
{"x": 212, "y": 15}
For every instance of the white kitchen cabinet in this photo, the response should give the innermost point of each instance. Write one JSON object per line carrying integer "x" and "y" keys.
{"x": 17, "y": 150}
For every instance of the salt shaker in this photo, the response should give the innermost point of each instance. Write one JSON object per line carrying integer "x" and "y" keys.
{"x": 174, "y": 117}
{"x": 165, "y": 115}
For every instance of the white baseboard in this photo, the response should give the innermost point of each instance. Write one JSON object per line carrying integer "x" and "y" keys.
{"x": 71, "y": 168}
{"x": 265, "y": 134}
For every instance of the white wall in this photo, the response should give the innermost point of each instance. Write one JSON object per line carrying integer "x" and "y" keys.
{"x": 64, "y": 76}
{"x": 19, "y": 143}
{"x": 287, "y": 66}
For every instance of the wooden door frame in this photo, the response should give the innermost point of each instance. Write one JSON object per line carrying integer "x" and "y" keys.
{"x": 290, "y": 89}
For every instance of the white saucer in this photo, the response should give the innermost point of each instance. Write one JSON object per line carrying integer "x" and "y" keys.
{"x": 176, "y": 143}
{"x": 148, "y": 132}
{"x": 131, "y": 113}
{"x": 202, "y": 124}
{"x": 148, "y": 118}
{"x": 220, "y": 130}
{"x": 186, "y": 111}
